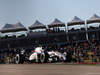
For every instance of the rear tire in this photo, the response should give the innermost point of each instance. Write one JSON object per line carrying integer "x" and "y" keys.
{"x": 20, "y": 58}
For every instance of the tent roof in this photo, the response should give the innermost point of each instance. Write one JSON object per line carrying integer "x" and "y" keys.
{"x": 13, "y": 28}
{"x": 93, "y": 19}
{"x": 75, "y": 21}
{"x": 56, "y": 23}
{"x": 37, "y": 25}
{"x": 19, "y": 27}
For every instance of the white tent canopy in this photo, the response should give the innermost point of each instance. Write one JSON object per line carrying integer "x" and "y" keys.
{"x": 75, "y": 21}
{"x": 13, "y": 28}
{"x": 56, "y": 23}
{"x": 37, "y": 25}
{"x": 94, "y": 19}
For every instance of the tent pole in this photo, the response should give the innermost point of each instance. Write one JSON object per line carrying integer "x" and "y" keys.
{"x": 86, "y": 28}
{"x": 67, "y": 34}
{"x": 0, "y": 35}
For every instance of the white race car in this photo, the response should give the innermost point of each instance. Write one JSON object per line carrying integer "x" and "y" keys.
{"x": 41, "y": 56}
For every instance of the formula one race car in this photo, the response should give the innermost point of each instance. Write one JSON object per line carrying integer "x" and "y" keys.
{"x": 39, "y": 55}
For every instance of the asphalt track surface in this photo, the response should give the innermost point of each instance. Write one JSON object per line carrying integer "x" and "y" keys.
{"x": 48, "y": 69}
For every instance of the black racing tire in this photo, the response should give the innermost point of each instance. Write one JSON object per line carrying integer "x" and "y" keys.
{"x": 44, "y": 57}
{"x": 20, "y": 58}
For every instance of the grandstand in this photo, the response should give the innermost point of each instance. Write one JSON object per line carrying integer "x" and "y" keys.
{"x": 55, "y": 32}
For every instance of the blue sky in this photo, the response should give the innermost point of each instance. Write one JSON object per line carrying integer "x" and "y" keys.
{"x": 27, "y": 11}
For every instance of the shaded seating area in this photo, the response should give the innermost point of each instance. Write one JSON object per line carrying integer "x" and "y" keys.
{"x": 56, "y": 27}
{"x": 93, "y": 22}
{"x": 81, "y": 31}
{"x": 76, "y": 22}
{"x": 37, "y": 28}
{"x": 12, "y": 28}
{"x": 93, "y": 25}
